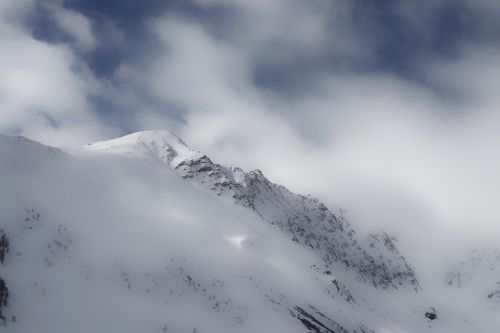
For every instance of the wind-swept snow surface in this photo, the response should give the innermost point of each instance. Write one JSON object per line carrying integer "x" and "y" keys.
{"x": 144, "y": 234}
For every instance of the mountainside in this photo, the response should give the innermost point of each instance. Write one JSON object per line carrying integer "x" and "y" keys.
{"x": 304, "y": 219}
{"x": 144, "y": 234}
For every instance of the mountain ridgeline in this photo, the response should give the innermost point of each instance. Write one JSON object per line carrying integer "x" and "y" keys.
{"x": 304, "y": 219}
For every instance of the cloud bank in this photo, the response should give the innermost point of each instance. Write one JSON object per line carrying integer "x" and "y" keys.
{"x": 386, "y": 108}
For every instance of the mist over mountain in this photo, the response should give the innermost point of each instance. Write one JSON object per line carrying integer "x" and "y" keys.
{"x": 334, "y": 167}
{"x": 143, "y": 233}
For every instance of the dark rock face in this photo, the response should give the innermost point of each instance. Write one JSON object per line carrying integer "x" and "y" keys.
{"x": 307, "y": 221}
{"x": 4, "y": 246}
{"x": 494, "y": 294}
{"x": 4, "y": 296}
{"x": 315, "y": 321}
{"x": 4, "y": 291}
{"x": 431, "y": 315}
{"x": 343, "y": 291}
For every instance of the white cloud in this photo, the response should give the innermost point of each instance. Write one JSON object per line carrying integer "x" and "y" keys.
{"x": 195, "y": 62}
{"x": 44, "y": 88}
{"x": 395, "y": 153}
{"x": 278, "y": 30}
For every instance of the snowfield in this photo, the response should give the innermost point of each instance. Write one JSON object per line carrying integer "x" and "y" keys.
{"x": 144, "y": 234}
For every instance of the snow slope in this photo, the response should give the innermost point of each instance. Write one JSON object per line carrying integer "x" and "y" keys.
{"x": 478, "y": 275}
{"x": 144, "y": 234}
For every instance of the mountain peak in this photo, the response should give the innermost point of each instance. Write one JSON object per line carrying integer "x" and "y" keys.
{"x": 151, "y": 137}
{"x": 159, "y": 144}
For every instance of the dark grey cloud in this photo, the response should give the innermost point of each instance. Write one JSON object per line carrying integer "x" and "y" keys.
{"x": 288, "y": 47}
{"x": 122, "y": 27}
{"x": 395, "y": 37}
{"x": 399, "y": 35}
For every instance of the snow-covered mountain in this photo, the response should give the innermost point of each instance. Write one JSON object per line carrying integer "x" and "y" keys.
{"x": 144, "y": 234}
{"x": 304, "y": 219}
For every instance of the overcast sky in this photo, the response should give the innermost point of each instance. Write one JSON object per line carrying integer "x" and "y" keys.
{"x": 389, "y": 108}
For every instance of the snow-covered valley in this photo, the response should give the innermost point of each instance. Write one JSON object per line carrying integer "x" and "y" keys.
{"x": 144, "y": 234}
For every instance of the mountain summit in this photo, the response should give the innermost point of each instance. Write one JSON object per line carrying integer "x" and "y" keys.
{"x": 162, "y": 144}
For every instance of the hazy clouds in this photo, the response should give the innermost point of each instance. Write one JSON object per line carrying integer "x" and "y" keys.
{"x": 44, "y": 87}
{"x": 389, "y": 108}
